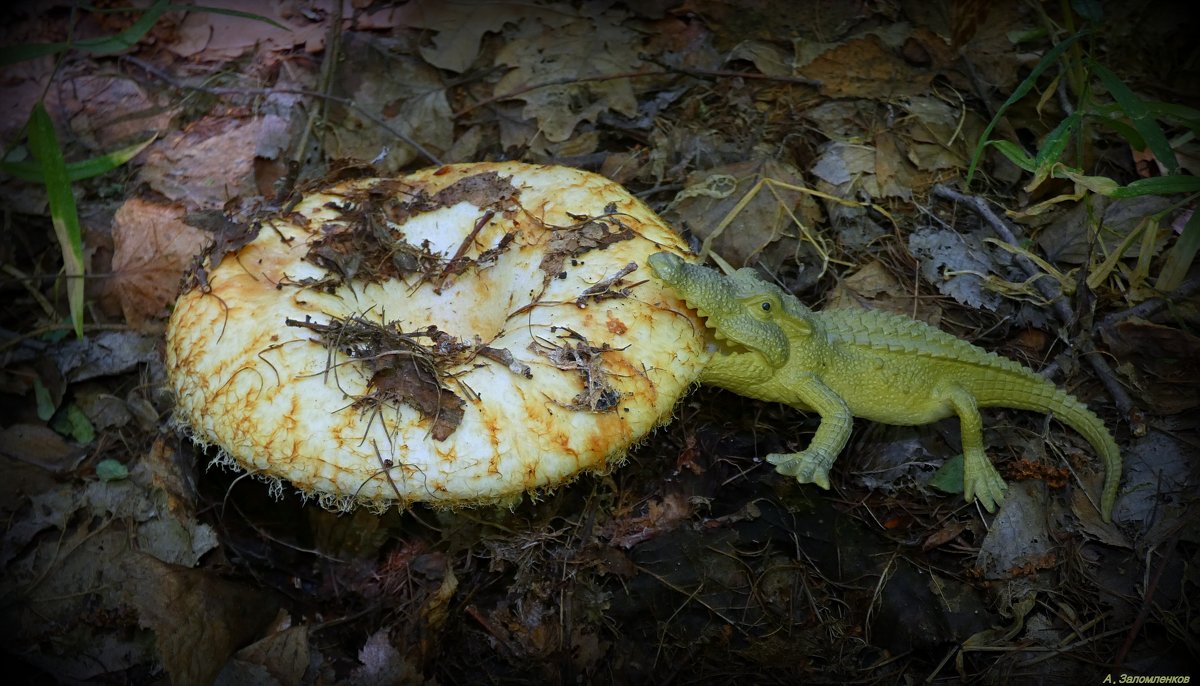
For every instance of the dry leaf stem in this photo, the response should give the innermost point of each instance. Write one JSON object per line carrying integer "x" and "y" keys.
{"x": 1062, "y": 309}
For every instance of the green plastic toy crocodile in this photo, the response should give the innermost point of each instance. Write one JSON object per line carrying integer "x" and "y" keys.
{"x": 846, "y": 363}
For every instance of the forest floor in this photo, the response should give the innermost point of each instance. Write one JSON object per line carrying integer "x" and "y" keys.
{"x": 827, "y": 144}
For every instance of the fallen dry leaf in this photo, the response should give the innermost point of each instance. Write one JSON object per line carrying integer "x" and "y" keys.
{"x": 598, "y": 46}
{"x": 283, "y": 654}
{"x": 866, "y": 68}
{"x": 762, "y": 229}
{"x": 460, "y": 27}
{"x": 874, "y": 287}
{"x": 152, "y": 249}
{"x": 39, "y": 445}
{"x": 212, "y": 162}
{"x": 216, "y": 37}
{"x": 399, "y": 89}
{"x": 895, "y": 176}
{"x": 105, "y": 112}
{"x": 383, "y": 663}
{"x": 198, "y": 619}
{"x": 106, "y": 353}
{"x": 1170, "y": 376}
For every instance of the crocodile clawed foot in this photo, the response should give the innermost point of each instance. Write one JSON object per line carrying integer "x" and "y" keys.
{"x": 982, "y": 481}
{"x": 807, "y": 467}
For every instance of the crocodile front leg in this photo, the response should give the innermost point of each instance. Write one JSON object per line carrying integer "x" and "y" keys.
{"x": 812, "y": 465}
{"x": 980, "y": 478}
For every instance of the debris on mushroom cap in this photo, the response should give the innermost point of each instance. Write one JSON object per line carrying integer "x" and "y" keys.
{"x": 457, "y": 336}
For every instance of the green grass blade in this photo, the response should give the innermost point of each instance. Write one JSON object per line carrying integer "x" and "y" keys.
{"x": 1181, "y": 256}
{"x": 1022, "y": 90}
{"x": 1139, "y": 115}
{"x": 31, "y": 170}
{"x": 43, "y": 143}
{"x": 105, "y": 45}
{"x": 1130, "y": 134}
{"x": 128, "y": 38}
{"x": 231, "y": 13}
{"x": 1015, "y": 154}
{"x": 102, "y": 45}
{"x": 1052, "y": 149}
{"x": 12, "y": 54}
{"x": 1180, "y": 114}
{"x": 1159, "y": 185}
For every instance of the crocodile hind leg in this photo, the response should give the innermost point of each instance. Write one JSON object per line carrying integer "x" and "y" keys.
{"x": 980, "y": 478}
{"x": 812, "y": 465}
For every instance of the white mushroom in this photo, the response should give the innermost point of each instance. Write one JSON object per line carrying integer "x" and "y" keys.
{"x": 457, "y": 336}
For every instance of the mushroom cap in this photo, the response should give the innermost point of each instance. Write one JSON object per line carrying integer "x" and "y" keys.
{"x": 303, "y": 347}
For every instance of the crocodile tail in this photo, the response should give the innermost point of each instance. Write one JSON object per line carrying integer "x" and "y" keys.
{"x": 1040, "y": 395}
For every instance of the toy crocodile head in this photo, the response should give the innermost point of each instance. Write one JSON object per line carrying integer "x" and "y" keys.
{"x": 744, "y": 312}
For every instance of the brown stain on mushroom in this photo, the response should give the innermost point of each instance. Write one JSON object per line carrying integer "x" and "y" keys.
{"x": 615, "y": 326}
{"x": 492, "y": 426}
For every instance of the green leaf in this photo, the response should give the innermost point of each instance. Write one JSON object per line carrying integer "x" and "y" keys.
{"x": 31, "y": 170}
{"x": 1180, "y": 114}
{"x": 1052, "y": 149}
{"x": 1020, "y": 36}
{"x": 74, "y": 424}
{"x": 949, "y": 479}
{"x": 102, "y": 45}
{"x": 1022, "y": 90}
{"x": 1139, "y": 115}
{"x": 1096, "y": 184}
{"x": 1015, "y": 154}
{"x": 1125, "y": 131}
{"x": 105, "y": 45}
{"x": 1091, "y": 10}
{"x": 1181, "y": 256}
{"x": 128, "y": 38}
{"x": 231, "y": 13}
{"x": 111, "y": 470}
{"x": 45, "y": 404}
{"x": 1160, "y": 185}
{"x": 43, "y": 143}
{"x": 12, "y": 54}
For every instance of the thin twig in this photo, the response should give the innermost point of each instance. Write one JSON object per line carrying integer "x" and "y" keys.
{"x": 1151, "y": 307}
{"x": 27, "y": 281}
{"x": 1147, "y": 603}
{"x": 346, "y": 102}
{"x": 556, "y": 82}
{"x": 1049, "y": 287}
{"x": 1053, "y": 292}
{"x": 333, "y": 45}
{"x": 666, "y": 70}
{"x": 726, "y": 73}
{"x": 28, "y": 336}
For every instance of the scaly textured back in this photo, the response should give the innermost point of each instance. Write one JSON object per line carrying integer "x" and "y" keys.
{"x": 881, "y": 330}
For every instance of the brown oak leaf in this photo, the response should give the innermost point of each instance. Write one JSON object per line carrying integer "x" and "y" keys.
{"x": 152, "y": 248}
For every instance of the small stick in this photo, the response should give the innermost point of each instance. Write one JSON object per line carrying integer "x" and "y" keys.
{"x": 1053, "y": 293}
{"x": 606, "y": 283}
{"x": 1151, "y": 307}
{"x": 462, "y": 249}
